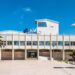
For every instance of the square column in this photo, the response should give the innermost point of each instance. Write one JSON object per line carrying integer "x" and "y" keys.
{"x": 25, "y": 48}
{"x": 25, "y": 54}
{"x": 63, "y": 57}
{"x": 12, "y": 54}
{"x": 38, "y": 47}
{"x": 50, "y": 48}
{"x": 12, "y": 47}
{"x": 38, "y": 54}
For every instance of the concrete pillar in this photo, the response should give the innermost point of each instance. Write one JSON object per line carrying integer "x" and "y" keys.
{"x": 19, "y": 39}
{"x": 12, "y": 54}
{"x": 12, "y": 47}
{"x": 50, "y": 49}
{"x": 63, "y": 48}
{"x": 69, "y": 42}
{"x": 57, "y": 40}
{"x": 6, "y": 40}
{"x": 25, "y": 49}
{"x": 38, "y": 47}
{"x": 0, "y": 53}
{"x": 25, "y": 54}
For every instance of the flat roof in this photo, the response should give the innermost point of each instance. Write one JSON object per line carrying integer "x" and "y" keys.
{"x": 47, "y": 20}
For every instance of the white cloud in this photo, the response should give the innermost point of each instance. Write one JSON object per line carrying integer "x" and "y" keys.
{"x": 27, "y": 9}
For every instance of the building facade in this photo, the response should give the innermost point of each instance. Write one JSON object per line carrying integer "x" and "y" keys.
{"x": 44, "y": 45}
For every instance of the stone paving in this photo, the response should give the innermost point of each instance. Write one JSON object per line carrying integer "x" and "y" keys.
{"x": 35, "y": 67}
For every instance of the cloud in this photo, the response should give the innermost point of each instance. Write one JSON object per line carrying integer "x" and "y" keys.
{"x": 27, "y": 9}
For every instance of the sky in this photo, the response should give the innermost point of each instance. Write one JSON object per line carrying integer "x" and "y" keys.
{"x": 21, "y": 14}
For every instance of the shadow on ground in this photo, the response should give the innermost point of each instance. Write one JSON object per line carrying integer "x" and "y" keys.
{"x": 64, "y": 67}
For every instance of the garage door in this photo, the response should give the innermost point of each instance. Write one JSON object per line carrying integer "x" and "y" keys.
{"x": 19, "y": 55}
{"x": 6, "y": 55}
{"x": 44, "y": 53}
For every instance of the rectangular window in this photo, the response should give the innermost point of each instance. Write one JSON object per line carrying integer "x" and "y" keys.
{"x": 60, "y": 43}
{"x": 66, "y": 43}
{"x": 47, "y": 43}
{"x": 28, "y": 42}
{"x": 42, "y": 24}
{"x": 22, "y": 43}
{"x": 72, "y": 43}
{"x": 41, "y": 42}
{"x": 35, "y": 43}
{"x": 16, "y": 42}
{"x": 3, "y": 43}
{"x": 9, "y": 42}
{"x": 54, "y": 43}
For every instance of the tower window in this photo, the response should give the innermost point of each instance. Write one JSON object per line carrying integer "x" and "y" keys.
{"x": 42, "y": 24}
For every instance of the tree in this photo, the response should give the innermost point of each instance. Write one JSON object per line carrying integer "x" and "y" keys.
{"x": 0, "y": 41}
{"x": 73, "y": 55}
{"x": 0, "y": 46}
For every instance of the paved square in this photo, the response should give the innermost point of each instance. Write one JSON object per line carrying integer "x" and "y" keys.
{"x": 35, "y": 67}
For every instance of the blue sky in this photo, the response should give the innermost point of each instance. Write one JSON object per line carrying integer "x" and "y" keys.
{"x": 20, "y": 14}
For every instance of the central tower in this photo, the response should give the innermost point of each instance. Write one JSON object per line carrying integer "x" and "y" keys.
{"x": 47, "y": 27}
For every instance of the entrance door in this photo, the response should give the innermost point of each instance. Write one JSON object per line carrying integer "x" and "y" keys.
{"x": 31, "y": 54}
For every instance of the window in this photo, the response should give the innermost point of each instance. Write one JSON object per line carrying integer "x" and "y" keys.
{"x": 41, "y": 43}
{"x": 60, "y": 43}
{"x": 22, "y": 43}
{"x": 42, "y": 24}
{"x": 66, "y": 43}
{"x": 47, "y": 43}
{"x": 51, "y": 26}
{"x": 3, "y": 43}
{"x": 54, "y": 43}
{"x": 16, "y": 43}
{"x": 9, "y": 42}
{"x": 35, "y": 43}
{"x": 72, "y": 43}
{"x": 28, "y": 42}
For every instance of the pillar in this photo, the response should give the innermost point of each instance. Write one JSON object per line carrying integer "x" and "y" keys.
{"x": 12, "y": 54}
{"x": 25, "y": 49}
{"x": 50, "y": 48}
{"x": 12, "y": 47}
{"x": 38, "y": 47}
{"x": 63, "y": 57}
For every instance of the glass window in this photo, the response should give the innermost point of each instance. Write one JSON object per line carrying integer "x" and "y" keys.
{"x": 28, "y": 42}
{"x": 41, "y": 42}
{"x": 3, "y": 43}
{"x": 54, "y": 43}
{"x": 42, "y": 24}
{"x": 35, "y": 43}
{"x": 9, "y": 42}
{"x": 16, "y": 42}
{"x": 47, "y": 43}
{"x": 22, "y": 43}
{"x": 60, "y": 43}
{"x": 72, "y": 43}
{"x": 66, "y": 43}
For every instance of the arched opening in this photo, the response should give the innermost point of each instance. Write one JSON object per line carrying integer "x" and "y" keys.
{"x": 6, "y": 54}
{"x": 44, "y": 54}
{"x": 19, "y": 54}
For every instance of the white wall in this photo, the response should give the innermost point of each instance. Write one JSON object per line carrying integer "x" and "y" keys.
{"x": 52, "y": 28}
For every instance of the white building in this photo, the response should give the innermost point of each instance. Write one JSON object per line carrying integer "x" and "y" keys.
{"x": 18, "y": 45}
{"x": 47, "y": 27}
